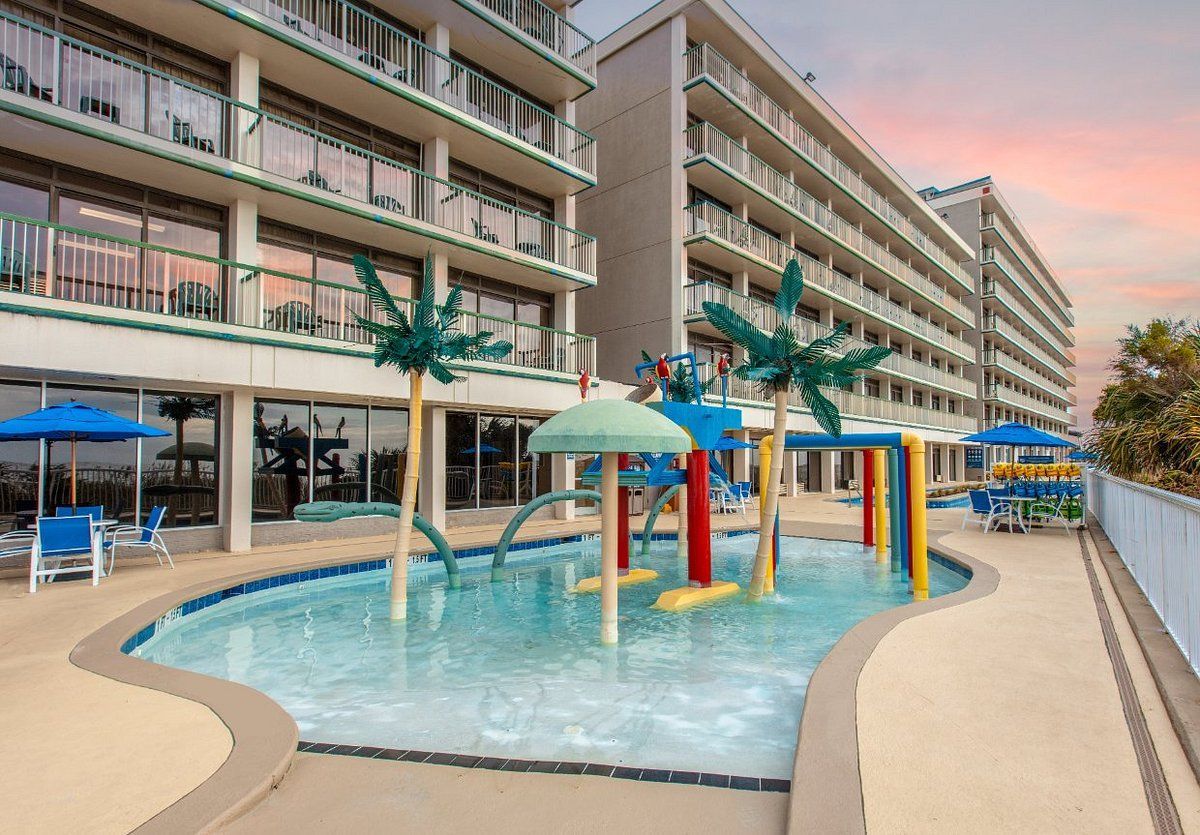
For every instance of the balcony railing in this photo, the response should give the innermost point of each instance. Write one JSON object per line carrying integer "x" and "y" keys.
{"x": 992, "y": 322}
{"x": 99, "y": 85}
{"x": 990, "y": 220}
{"x": 705, "y": 139}
{"x": 866, "y": 408}
{"x": 366, "y": 40}
{"x": 703, "y": 60}
{"x": 49, "y": 260}
{"x": 1032, "y": 376}
{"x": 990, "y": 288}
{"x": 709, "y": 219}
{"x": 1024, "y": 401}
{"x": 548, "y": 28}
{"x": 765, "y": 317}
{"x": 1036, "y": 307}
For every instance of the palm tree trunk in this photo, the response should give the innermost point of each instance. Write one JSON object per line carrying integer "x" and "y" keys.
{"x": 770, "y": 501}
{"x": 408, "y": 501}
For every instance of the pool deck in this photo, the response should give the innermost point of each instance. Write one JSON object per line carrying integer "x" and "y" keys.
{"x": 997, "y": 714}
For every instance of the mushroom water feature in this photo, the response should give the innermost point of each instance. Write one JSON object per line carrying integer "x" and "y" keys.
{"x": 609, "y": 428}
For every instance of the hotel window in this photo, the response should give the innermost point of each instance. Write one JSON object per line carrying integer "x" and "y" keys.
{"x": 871, "y": 387}
{"x": 699, "y": 195}
{"x": 389, "y": 453}
{"x": 489, "y": 185}
{"x": 935, "y": 402}
{"x": 918, "y": 398}
{"x": 917, "y": 355}
{"x": 180, "y": 471}
{"x": 500, "y": 81}
{"x": 870, "y": 338}
{"x": 281, "y": 459}
{"x": 698, "y": 271}
{"x": 19, "y": 459}
{"x": 935, "y": 362}
{"x": 707, "y": 353}
{"x": 843, "y": 273}
{"x": 897, "y": 394}
{"x": 105, "y": 473}
{"x": 503, "y": 301}
{"x": 488, "y": 463}
{"x": 766, "y": 229}
{"x": 951, "y": 406}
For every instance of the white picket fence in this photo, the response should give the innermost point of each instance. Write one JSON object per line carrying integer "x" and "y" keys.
{"x": 1157, "y": 534}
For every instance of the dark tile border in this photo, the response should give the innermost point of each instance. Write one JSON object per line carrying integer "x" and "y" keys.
{"x": 619, "y": 772}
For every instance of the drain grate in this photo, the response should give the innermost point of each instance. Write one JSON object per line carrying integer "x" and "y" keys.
{"x": 1158, "y": 794}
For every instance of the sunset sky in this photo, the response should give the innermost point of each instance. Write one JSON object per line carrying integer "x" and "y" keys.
{"x": 1086, "y": 112}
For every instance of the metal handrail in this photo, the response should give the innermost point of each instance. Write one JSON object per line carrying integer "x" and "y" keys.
{"x": 990, "y": 220}
{"x": 548, "y": 28}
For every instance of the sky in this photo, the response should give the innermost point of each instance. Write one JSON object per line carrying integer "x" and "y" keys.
{"x": 1085, "y": 112}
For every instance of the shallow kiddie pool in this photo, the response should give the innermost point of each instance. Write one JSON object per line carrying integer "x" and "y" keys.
{"x": 515, "y": 669}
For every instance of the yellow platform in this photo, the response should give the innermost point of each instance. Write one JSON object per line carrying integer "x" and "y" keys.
{"x": 676, "y": 600}
{"x": 636, "y": 575}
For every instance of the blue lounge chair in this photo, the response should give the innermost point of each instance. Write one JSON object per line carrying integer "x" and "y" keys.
{"x": 984, "y": 510}
{"x": 64, "y": 539}
{"x": 135, "y": 536}
{"x": 95, "y": 511}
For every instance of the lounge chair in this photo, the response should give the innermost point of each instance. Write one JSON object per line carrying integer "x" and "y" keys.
{"x": 16, "y": 544}
{"x": 64, "y": 538}
{"x": 984, "y": 510}
{"x": 138, "y": 536}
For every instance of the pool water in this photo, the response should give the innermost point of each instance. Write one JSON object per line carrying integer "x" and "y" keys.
{"x": 953, "y": 501}
{"x": 515, "y": 669}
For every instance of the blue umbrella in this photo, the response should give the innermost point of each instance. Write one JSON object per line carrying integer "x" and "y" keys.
{"x": 1080, "y": 455}
{"x": 1016, "y": 434}
{"x": 74, "y": 422}
{"x": 484, "y": 448}
{"x": 725, "y": 442}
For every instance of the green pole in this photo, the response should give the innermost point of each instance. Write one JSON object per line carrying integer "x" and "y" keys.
{"x": 896, "y": 504}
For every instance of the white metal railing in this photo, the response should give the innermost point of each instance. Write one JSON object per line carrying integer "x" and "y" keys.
{"x": 764, "y": 316}
{"x": 1014, "y": 398}
{"x": 706, "y": 139}
{"x": 1030, "y": 375}
{"x": 548, "y": 28}
{"x": 859, "y": 406}
{"x": 710, "y": 219}
{"x": 990, "y": 220}
{"x": 993, "y": 322}
{"x": 994, "y": 289}
{"x": 366, "y": 40}
{"x": 703, "y": 60}
{"x": 1157, "y": 535}
{"x": 51, "y": 67}
{"x": 990, "y": 254}
{"x": 53, "y": 261}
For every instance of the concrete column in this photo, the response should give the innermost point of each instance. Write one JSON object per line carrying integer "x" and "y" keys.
{"x": 437, "y": 37}
{"x": 945, "y": 453}
{"x": 562, "y": 477}
{"x": 244, "y": 88}
{"x": 237, "y": 468}
{"x": 441, "y": 274}
{"x": 789, "y": 472}
{"x": 431, "y": 490}
{"x": 826, "y": 470}
{"x": 246, "y": 285}
{"x": 244, "y": 79}
{"x": 435, "y": 157}
{"x": 742, "y": 457}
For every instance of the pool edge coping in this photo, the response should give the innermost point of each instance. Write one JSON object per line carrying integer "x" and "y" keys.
{"x": 826, "y": 778}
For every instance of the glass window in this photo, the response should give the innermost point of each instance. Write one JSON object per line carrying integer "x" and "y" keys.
{"x": 23, "y": 248}
{"x": 582, "y": 462}
{"x": 180, "y": 471}
{"x": 104, "y": 472}
{"x": 461, "y": 471}
{"x": 497, "y": 461}
{"x": 535, "y": 468}
{"x": 339, "y": 453}
{"x": 501, "y": 308}
{"x": 389, "y": 447}
{"x": 18, "y": 460}
{"x": 281, "y": 459}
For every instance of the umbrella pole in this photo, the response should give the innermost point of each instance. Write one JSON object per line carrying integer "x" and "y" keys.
{"x": 73, "y": 502}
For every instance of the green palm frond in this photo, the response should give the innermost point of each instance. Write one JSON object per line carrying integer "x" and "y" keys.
{"x": 823, "y": 409}
{"x": 828, "y": 342}
{"x": 425, "y": 316}
{"x": 736, "y": 329}
{"x": 452, "y": 308}
{"x": 378, "y": 295}
{"x": 790, "y": 290}
{"x": 440, "y": 372}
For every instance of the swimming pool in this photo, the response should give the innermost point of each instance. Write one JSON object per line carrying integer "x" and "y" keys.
{"x": 515, "y": 669}
{"x": 952, "y": 501}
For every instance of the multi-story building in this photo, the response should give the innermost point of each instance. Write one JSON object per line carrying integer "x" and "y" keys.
{"x": 182, "y": 186}
{"x": 1026, "y": 368}
{"x": 722, "y": 163}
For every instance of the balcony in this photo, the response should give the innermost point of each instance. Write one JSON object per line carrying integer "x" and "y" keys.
{"x": 546, "y": 30}
{"x": 95, "y": 93}
{"x": 706, "y": 221}
{"x": 991, "y": 255}
{"x": 859, "y": 407}
{"x": 702, "y": 63}
{"x": 368, "y": 47}
{"x": 765, "y": 317}
{"x": 995, "y": 324}
{"x": 1011, "y": 366}
{"x": 992, "y": 289}
{"x": 992, "y": 221}
{"x": 50, "y": 268}
{"x": 1025, "y": 403}
{"x": 704, "y": 142}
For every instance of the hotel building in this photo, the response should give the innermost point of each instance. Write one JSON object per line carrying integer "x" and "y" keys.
{"x": 1026, "y": 367}
{"x": 182, "y": 186}
{"x": 721, "y": 163}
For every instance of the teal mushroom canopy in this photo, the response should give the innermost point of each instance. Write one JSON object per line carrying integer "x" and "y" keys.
{"x": 609, "y": 426}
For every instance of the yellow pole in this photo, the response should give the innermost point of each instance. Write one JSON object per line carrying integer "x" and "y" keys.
{"x": 918, "y": 534}
{"x": 765, "y": 447}
{"x": 880, "y": 464}
{"x": 608, "y": 548}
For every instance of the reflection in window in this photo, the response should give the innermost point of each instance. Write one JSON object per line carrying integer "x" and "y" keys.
{"x": 535, "y": 468}
{"x": 339, "y": 449}
{"x": 497, "y": 455}
{"x": 105, "y": 473}
{"x": 281, "y": 459}
{"x": 179, "y": 472}
{"x": 23, "y": 248}
{"x": 461, "y": 475}
{"x": 389, "y": 445}
{"x": 488, "y": 464}
{"x": 18, "y": 460}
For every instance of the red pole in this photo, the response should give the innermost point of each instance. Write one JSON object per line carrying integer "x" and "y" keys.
{"x": 868, "y": 492}
{"x": 699, "y": 531}
{"x": 623, "y": 520}
{"x": 908, "y": 507}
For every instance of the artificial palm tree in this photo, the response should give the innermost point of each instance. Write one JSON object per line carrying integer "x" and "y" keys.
{"x": 181, "y": 409}
{"x": 427, "y": 342}
{"x": 777, "y": 363}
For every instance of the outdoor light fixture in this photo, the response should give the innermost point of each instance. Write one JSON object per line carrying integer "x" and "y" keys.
{"x": 809, "y": 77}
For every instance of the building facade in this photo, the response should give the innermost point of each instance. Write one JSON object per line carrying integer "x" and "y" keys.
{"x": 1026, "y": 369}
{"x": 721, "y": 163}
{"x": 182, "y": 186}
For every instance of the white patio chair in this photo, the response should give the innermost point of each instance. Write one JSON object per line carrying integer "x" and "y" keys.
{"x": 135, "y": 536}
{"x": 62, "y": 539}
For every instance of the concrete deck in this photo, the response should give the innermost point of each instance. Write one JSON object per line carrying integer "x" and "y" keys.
{"x": 998, "y": 714}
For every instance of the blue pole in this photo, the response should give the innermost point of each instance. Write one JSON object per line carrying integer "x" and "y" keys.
{"x": 895, "y": 507}
{"x": 901, "y": 493}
